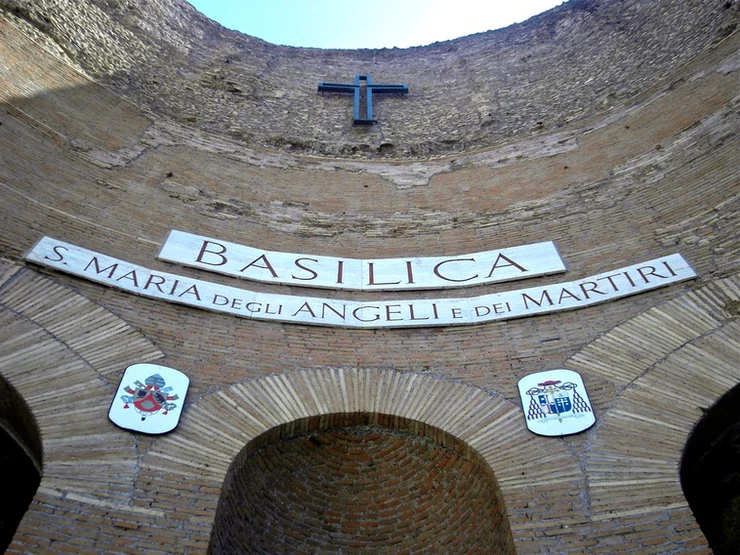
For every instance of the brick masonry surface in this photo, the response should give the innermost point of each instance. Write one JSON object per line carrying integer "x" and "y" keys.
{"x": 609, "y": 128}
{"x": 363, "y": 482}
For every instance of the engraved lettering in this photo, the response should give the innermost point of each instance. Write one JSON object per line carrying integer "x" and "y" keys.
{"x": 509, "y": 262}
{"x": 94, "y": 262}
{"x": 151, "y": 281}
{"x": 266, "y": 266}
{"x": 544, "y": 297}
{"x": 305, "y": 307}
{"x": 59, "y": 254}
{"x": 371, "y": 276}
{"x": 314, "y": 275}
{"x": 439, "y": 275}
{"x": 342, "y": 314}
{"x": 130, "y": 275}
{"x": 216, "y": 253}
{"x": 357, "y": 310}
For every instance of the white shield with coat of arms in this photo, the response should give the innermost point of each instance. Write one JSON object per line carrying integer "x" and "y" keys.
{"x": 555, "y": 403}
{"x": 149, "y": 399}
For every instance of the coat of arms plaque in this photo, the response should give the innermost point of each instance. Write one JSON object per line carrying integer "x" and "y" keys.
{"x": 555, "y": 403}
{"x": 149, "y": 399}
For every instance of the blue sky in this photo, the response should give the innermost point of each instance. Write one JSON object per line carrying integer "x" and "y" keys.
{"x": 367, "y": 23}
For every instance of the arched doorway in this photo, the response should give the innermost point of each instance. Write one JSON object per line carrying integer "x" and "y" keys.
{"x": 359, "y": 482}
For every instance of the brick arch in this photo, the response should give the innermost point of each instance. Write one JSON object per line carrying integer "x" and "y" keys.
{"x": 668, "y": 365}
{"x": 487, "y": 423}
{"x": 62, "y": 353}
{"x": 490, "y": 424}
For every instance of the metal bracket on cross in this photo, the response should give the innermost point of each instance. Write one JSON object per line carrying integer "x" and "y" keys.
{"x": 363, "y": 89}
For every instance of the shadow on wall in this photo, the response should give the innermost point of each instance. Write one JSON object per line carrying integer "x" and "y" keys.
{"x": 20, "y": 460}
{"x": 77, "y": 117}
{"x": 367, "y": 482}
{"x": 710, "y": 473}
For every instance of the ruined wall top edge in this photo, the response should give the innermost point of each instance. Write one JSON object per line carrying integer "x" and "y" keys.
{"x": 582, "y": 59}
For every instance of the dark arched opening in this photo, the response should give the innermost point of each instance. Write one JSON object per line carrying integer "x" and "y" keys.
{"x": 20, "y": 460}
{"x": 360, "y": 483}
{"x": 710, "y": 473}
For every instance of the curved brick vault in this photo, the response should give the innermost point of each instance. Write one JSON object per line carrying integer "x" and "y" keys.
{"x": 362, "y": 481}
{"x": 609, "y": 128}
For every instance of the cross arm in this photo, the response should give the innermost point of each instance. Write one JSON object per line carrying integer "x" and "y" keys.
{"x": 336, "y": 87}
{"x": 389, "y": 89}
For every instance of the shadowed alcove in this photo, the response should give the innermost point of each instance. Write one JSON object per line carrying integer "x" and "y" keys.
{"x": 20, "y": 459}
{"x": 358, "y": 483}
{"x": 710, "y": 473}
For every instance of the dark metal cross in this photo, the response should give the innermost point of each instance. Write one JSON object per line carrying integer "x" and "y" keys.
{"x": 363, "y": 89}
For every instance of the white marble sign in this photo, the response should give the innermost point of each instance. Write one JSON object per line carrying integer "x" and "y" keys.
{"x": 555, "y": 403}
{"x": 149, "y": 399}
{"x": 309, "y": 310}
{"x": 381, "y": 274}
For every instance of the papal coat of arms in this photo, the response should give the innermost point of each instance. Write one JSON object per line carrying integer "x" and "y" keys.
{"x": 555, "y": 403}
{"x": 149, "y": 398}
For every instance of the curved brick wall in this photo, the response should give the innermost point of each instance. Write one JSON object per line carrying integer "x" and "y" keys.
{"x": 358, "y": 483}
{"x": 580, "y": 60}
{"x": 119, "y": 122}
